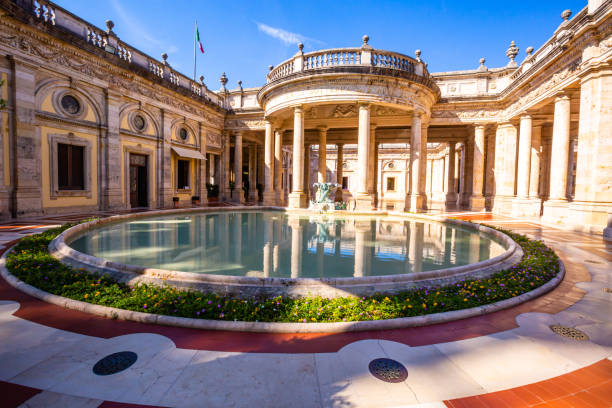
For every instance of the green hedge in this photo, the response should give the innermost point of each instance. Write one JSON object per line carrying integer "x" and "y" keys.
{"x": 31, "y": 262}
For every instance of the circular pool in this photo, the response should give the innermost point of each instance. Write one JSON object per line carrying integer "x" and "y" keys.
{"x": 275, "y": 252}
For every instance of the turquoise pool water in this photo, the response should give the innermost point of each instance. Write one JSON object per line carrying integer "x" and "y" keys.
{"x": 276, "y": 244}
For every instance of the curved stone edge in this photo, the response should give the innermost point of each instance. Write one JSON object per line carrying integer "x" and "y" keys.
{"x": 60, "y": 250}
{"x": 274, "y": 327}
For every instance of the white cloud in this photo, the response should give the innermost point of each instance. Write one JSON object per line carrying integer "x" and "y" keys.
{"x": 131, "y": 25}
{"x": 286, "y": 37}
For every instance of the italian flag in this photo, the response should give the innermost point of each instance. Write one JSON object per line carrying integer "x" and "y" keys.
{"x": 197, "y": 37}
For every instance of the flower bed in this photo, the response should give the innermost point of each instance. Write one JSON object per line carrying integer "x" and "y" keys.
{"x": 31, "y": 262}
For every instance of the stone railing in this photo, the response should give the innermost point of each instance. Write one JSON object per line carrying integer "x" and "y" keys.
{"x": 51, "y": 14}
{"x": 365, "y": 56}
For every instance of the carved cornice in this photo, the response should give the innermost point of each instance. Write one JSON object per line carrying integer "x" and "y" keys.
{"x": 49, "y": 52}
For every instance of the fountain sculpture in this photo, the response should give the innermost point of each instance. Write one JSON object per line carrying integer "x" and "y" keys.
{"x": 322, "y": 201}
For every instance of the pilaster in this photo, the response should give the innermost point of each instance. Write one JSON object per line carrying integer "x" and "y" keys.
{"x": 26, "y": 172}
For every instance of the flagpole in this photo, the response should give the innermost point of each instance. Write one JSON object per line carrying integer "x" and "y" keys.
{"x": 194, "y": 50}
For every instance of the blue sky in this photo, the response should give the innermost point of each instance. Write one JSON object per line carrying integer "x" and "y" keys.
{"x": 242, "y": 38}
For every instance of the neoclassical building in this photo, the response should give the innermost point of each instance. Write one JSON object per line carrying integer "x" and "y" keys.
{"x": 91, "y": 123}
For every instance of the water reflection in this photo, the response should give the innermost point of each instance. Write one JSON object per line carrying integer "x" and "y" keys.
{"x": 272, "y": 244}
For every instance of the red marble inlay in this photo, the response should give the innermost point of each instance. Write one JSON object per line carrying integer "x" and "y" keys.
{"x": 590, "y": 386}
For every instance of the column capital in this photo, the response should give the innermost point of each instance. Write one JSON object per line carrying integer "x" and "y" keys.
{"x": 322, "y": 128}
{"x": 340, "y": 144}
{"x": 298, "y": 109}
{"x": 479, "y": 125}
{"x": 562, "y": 96}
{"x": 525, "y": 116}
{"x": 364, "y": 105}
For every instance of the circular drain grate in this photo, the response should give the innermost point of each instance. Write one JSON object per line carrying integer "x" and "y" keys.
{"x": 388, "y": 370}
{"x": 592, "y": 261}
{"x": 569, "y": 332}
{"x": 115, "y": 363}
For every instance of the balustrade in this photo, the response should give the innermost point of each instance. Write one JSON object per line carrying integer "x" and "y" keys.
{"x": 44, "y": 11}
{"x": 346, "y": 57}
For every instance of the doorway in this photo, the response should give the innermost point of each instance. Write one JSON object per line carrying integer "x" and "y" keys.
{"x": 138, "y": 181}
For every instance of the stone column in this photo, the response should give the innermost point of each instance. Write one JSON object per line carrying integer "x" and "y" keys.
{"x": 278, "y": 167}
{"x": 560, "y": 149}
{"x": 307, "y": 184}
{"x": 534, "y": 176}
{"x": 505, "y": 168}
{"x": 225, "y": 187}
{"x": 322, "y": 174}
{"x": 372, "y": 162}
{"x": 524, "y": 158}
{"x": 253, "y": 172}
{"x": 423, "y": 164}
{"x": 490, "y": 168}
{"x": 238, "y": 192}
{"x": 269, "y": 193}
{"x": 477, "y": 201}
{"x": 363, "y": 200}
{"x": 591, "y": 209}
{"x": 375, "y": 175}
{"x": 416, "y": 200}
{"x": 204, "y": 166}
{"x": 339, "y": 160}
{"x": 451, "y": 195}
{"x": 297, "y": 198}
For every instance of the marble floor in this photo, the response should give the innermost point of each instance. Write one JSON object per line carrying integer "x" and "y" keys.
{"x": 510, "y": 358}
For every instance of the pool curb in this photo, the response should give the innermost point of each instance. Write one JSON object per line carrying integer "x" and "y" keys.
{"x": 283, "y": 286}
{"x": 274, "y": 327}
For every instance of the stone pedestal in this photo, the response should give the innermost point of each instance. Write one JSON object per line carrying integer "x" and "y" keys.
{"x": 364, "y": 202}
{"x": 298, "y": 200}
{"x": 526, "y": 208}
{"x": 555, "y": 212}
{"x": 477, "y": 203}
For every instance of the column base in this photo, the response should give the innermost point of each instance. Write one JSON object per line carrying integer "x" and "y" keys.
{"x": 477, "y": 203}
{"x": 451, "y": 201}
{"x": 416, "y": 203}
{"x": 591, "y": 217}
{"x": 270, "y": 198}
{"x": 238, "y": 196}
{"x": 253, "y": 195}
{"x": 526, "y": 207}
{"x": 298, "y": 200}
{"x": 555, "y": 212}
{"x": 502, "y": 204}
{"x": 364, "y": 202}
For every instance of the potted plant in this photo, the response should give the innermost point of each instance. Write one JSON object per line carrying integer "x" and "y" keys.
{"x": 195, "y": 201}
{"x": 175, "y": 202}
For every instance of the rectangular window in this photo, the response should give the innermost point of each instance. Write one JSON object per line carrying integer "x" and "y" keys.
{"x": 182, "y": 172}
{"x": 70, "y": 169}
{"x": 390, "y": 183}
{"x": 345, "y": 183}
